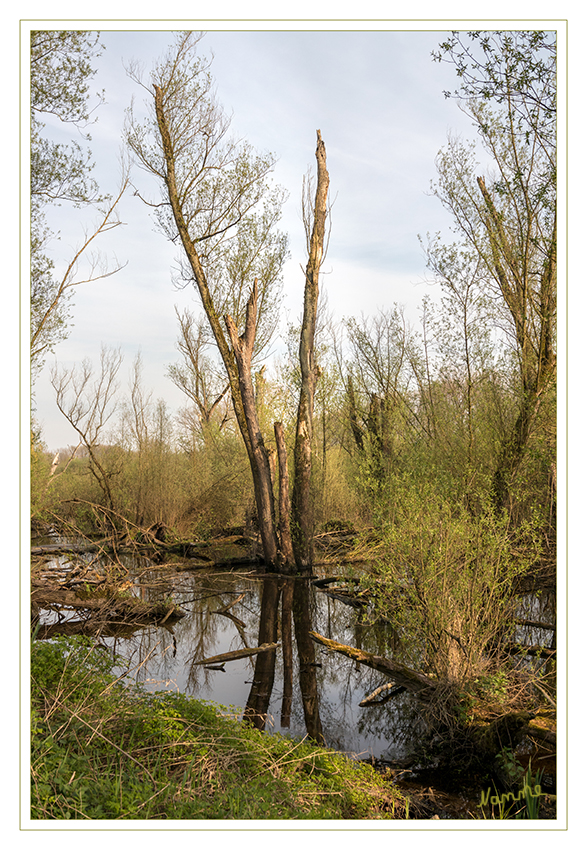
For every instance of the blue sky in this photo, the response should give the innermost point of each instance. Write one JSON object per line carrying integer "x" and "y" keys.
{"x": 377, "y": 98}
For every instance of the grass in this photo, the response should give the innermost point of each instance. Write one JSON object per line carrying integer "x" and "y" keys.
{"x": 105, "y": 750}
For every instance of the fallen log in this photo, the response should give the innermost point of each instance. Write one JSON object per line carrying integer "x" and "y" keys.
{"x": 536, "y": 625}
{"x": 111, "y": 606}
{"x": 66, "y": 548}
{"x": 321, "y": 583}
{"x": 544, "y": 729}
{"x": 401, "y": 675}
{"x": 185, "y": 549}
{"x": 389, "y": 690}
{"x": 523, "y": 649}
{"x": 224, "y": 563}
{"x": 237, "y": 654}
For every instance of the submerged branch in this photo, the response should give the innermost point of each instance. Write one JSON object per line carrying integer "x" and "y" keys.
{"x": 237, "y": 654}
{"x": 401, "y": 675}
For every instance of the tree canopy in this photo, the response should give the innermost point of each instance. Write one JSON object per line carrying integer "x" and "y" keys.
{"x": 61, "y": 70}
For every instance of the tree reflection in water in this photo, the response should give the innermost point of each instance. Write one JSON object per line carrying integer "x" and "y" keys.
{"x": 295, "y": 602}
{"x": 283, "y": 690}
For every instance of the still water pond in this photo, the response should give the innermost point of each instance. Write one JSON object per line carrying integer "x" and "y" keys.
{"x": 229, "y": 611}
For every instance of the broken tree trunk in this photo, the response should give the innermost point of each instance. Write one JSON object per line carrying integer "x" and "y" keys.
{"x": 401, "y": 675}
{"x": 302, "y": 519}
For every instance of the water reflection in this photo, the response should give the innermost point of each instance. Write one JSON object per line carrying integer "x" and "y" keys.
{"x": 307, "y": 658}
{"x": 264, "y": 675}
{"x": 299, "y": 688}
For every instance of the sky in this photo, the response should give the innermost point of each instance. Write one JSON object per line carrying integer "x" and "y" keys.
{"x": 377, "y": 98}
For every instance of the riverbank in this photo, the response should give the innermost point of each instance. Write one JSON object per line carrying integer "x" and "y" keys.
{"x": 104, "y": 750}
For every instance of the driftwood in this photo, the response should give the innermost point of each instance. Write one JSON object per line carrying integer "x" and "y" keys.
{"x": 238, "y": 653}
{"x": 401, "y": 675}
{"x": 389, "y": 691}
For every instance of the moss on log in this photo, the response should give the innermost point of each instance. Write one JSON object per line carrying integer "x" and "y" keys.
{"x": 401, "y": 675}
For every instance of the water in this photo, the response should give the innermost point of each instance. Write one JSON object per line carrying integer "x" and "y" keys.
{"x": 165, "y": 658}
{"x": 224, "y": 613}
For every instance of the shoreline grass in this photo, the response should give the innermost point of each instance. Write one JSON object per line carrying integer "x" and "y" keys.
{"x": 102, "y": 749}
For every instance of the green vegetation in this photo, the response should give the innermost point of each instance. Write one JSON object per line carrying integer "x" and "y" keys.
{"x": 521, "y": 804}
{"x": 433, "y": 453}
{"x": 445, "y": 578}
{"x": 102, "y": 749}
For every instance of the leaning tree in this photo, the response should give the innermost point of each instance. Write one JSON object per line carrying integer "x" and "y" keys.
{"x": 217, "y": 195}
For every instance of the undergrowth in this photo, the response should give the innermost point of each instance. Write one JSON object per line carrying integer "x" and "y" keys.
{"x": 102, "y": 749}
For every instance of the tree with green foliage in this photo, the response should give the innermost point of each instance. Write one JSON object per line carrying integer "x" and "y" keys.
{"x": 507, "y": 216}
{"x": 61, "y": 71}
{"x": 216, "y": 192}
{"x": 219, "y": 203}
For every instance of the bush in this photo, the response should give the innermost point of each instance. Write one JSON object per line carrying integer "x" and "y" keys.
{"x": 444, "y": 578}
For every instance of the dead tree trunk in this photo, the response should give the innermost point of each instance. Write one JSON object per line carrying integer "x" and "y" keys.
{"x": 410, "y": 679}
{"x": 302, "y": 518}
{"x": 285, "y": 544}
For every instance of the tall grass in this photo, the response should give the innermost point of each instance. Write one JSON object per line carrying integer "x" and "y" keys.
{"x": 105, "y": 750}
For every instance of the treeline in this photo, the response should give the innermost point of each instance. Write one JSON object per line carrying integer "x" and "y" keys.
{"x": 431, "y": 406}
{"x": 461, "y": 405}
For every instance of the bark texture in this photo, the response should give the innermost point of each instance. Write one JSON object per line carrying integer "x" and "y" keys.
{"x": 302, "y": 518}
{"x": 285, "y": 543}
{"x": 260, "y": 465}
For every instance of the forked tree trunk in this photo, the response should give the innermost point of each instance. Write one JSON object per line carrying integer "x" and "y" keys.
{"x": 302, "y": 514}
{"x": 236, "y": 362}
